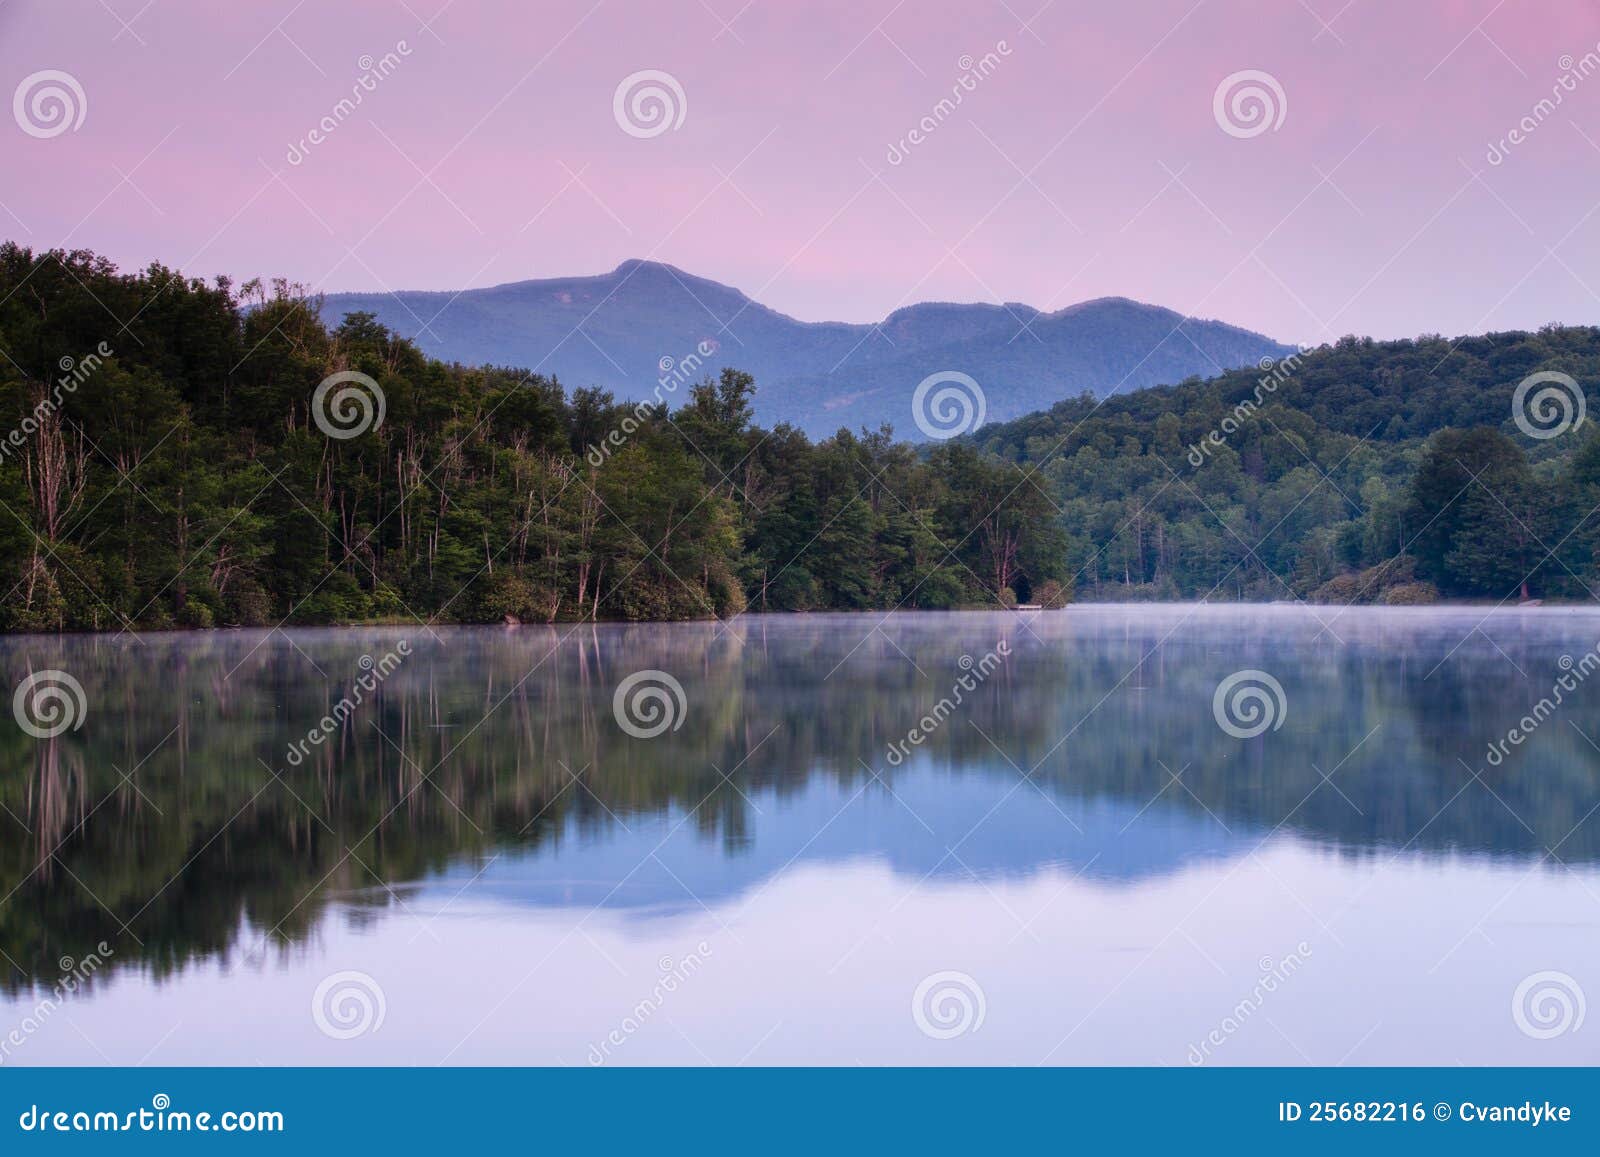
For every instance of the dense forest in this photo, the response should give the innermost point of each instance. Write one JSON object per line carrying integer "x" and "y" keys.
{"x": 185, "y": 453}
{"x": 1361, "y": 471}
{"x": 178, "y": 456}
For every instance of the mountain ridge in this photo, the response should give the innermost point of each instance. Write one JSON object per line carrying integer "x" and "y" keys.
{"x": 624, "y": 329}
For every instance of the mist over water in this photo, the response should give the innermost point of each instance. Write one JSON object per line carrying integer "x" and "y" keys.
{"x": 1112, "y": 820}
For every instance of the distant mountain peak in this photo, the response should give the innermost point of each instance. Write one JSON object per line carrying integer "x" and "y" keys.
{"x": 643, "y": 266}
{"x": 615, "y": 329}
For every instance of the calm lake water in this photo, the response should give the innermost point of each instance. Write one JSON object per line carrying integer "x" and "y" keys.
{"x": 1080, "y": 856}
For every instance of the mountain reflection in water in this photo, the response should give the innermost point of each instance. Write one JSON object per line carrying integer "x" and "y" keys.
{"x": 175, "y": 825}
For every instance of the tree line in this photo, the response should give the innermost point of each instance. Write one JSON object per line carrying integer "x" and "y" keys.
{"x": 171, "y": 455}
{"x": 1361, "y": 471}
{"x": 166, "y": 460}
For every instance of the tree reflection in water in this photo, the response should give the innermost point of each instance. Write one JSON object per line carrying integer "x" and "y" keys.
{"x": 174, "y": 825}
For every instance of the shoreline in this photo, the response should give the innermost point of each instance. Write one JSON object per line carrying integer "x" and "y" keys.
{"x": 1547, "y": 606}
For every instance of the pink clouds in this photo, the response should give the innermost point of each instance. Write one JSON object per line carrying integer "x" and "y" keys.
{"x": 1086, "y": 163}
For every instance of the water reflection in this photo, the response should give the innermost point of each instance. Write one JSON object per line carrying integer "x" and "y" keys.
{"x": 189, "y": 819}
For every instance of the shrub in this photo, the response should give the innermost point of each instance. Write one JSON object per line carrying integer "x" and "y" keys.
{"x": 1411, "y": 595}
{"x": 1052, "y": 596}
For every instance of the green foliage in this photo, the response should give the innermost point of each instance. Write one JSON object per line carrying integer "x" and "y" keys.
{"x": 178, "y": 476}
{"x": 1479, "y": 513}
{"x": 1340, "y": 475}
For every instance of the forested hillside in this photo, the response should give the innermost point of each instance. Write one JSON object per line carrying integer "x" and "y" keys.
{"x": 1360, "y": 471}
{"x": 180, "y": 453}
{"x": 174, "y": 453}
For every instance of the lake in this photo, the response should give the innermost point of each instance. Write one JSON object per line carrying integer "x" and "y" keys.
{"x": 1157, "y": 835}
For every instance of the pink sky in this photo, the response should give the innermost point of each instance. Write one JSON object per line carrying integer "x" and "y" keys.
{"x": 1088, "y": 163}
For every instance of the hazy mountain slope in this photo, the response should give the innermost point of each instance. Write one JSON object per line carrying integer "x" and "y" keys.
{"x": 617, "y": 329}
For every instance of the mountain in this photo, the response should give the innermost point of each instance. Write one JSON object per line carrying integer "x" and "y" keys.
{"x": 618, "y": 330}
{"x": 1361, "y": 471}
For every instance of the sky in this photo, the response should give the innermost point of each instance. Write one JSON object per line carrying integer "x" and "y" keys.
{"x": 1094, "y": 150}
